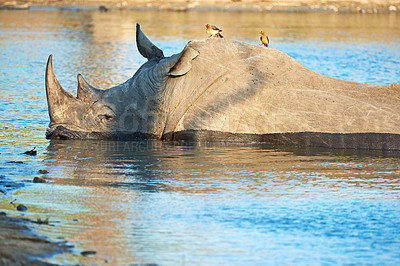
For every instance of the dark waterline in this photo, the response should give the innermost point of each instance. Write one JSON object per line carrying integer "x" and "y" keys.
{"x": 197, "y": 203}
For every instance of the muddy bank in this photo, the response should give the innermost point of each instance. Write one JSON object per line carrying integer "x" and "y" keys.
{"x": 20, "y": 246}
{"x": 353, "y": 6}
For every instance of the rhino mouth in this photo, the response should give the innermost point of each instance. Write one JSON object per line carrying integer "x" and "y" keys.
{"x": 61, "y": 132}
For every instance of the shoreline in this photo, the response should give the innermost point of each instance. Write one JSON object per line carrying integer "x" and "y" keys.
{"x": 21, "y": 246}
{"x": 332, "y": 6}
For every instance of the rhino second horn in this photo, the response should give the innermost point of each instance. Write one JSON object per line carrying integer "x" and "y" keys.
{"x": 58, "y": 99}
{"x": 87, "y": 92}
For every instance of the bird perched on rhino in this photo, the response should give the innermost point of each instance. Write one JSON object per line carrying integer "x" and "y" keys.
{"x": 213, "y": 31}
{"x": 264, "y": 39}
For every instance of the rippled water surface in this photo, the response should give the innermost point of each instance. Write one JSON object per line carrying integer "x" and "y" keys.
{"x": 196, "y": 203}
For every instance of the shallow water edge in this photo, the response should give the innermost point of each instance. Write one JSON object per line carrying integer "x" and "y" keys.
{"x": 350, "y": 6}
{"x": 20, "y": 246}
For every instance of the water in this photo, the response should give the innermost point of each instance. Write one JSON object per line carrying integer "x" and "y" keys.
{"x": 177, "y": 203}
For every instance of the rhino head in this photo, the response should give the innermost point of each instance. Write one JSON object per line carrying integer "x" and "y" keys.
{"x": 131, "y": 110}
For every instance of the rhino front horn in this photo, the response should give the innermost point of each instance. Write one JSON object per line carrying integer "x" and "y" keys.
{"x": 58, "y": 99}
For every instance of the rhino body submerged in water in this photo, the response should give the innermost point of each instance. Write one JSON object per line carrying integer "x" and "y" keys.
{"x": 222, "y": 90}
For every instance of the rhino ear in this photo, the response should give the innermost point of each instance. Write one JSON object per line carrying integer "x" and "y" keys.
{"x": 177, "y": 64}
{"x": 184, "y": 64}
{"x": 146, "y": 47}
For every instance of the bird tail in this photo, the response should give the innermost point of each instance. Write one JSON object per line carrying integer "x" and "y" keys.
{"x": 219, "y": 35}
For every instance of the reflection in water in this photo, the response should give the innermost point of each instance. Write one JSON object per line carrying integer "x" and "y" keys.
{"x": 208, "y": 203}
{"x": 197, "y": 203}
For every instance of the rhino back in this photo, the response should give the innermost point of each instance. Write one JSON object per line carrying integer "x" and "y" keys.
{"x": 240, "y": 88}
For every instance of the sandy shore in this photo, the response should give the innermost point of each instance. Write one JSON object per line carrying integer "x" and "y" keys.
{"x": 361, "y": 6}
{"x": 20, "y": 246}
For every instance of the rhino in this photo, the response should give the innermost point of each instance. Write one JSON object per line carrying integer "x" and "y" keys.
{"x": 223, "y": 90}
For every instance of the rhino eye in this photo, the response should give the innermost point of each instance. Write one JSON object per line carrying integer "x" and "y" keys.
{"x": 106, "y": 117}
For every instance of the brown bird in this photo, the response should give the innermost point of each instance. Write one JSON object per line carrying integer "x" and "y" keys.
{"x": 213, "y": 31}
{"x": 264, "y": 39}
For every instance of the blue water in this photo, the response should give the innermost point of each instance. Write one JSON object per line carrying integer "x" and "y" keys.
{"x": 196, "y": 203}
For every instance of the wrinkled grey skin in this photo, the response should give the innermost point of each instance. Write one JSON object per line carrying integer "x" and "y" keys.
{"x": 130, "y": 110}
{"x": 221, "y": 90}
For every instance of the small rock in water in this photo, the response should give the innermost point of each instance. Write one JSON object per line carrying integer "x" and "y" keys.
{"x": 13, "y": 185}
{"x": 40, "y": 221}
{"x": 103, "y": 8}
{"x": 18, "y": 162}
{"x": 21, "y": 207}
{"x": 88, "y": 252}
{"x": 3, "y": 214}
{"x": 31, "y": 152}
{"x": 38, "y": 180}
{"x": 43, "y": 172}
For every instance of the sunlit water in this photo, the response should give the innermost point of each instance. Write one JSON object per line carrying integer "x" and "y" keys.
{"x": 196, "y": 203}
